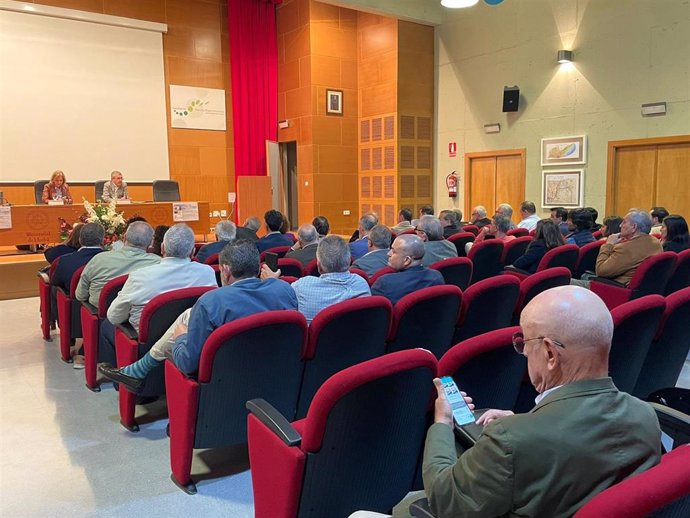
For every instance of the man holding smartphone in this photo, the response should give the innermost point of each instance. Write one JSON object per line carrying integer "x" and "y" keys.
{"x": 582, "y": 436}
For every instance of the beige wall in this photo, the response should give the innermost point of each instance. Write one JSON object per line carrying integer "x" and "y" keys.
{"x": 627, "y": 52}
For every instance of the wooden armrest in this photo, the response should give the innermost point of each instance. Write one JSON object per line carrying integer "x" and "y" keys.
{"x": 274, "y": 420}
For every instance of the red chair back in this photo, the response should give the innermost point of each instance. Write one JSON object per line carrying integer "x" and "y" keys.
{"x": 669, "y": 349}
{"x": 487, "y": 305}
{"x": 635, "y": 323}
{"x": 471, "y": 228}
{"x": 69, "y": 315}
{"x": 680, "y": 278}
{"x": 455, "y": 270}
{"x": 533, "y": 285}
{"x": 361, "y": 273}
{"x": 564, "y": 255}
{"x": 383, "y": 271}
{"x": 486, "y": 259}
{"x": 291, "y": 267}
{"x": 652, "y": 275}
{"x": 469, "y": 361}
{"x": 312, "y": 268}
{"x": 587, "y": 258}
{"x": 665, "y": 487}
{"x": 460, "y": 240}
{"x": 212, "y": 259}
{"x": 518, "y": 232}
{"x": 109, "y": 293}
{"x": 336, "y": 341}
{"x": 426, "y": 318}
{"x": 514, "y": 249}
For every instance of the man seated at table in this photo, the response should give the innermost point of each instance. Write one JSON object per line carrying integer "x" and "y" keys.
{"x": 405, "y": 257}
{"x": 115, "y": 189}
{"x": 243, "y": 294}
{"x": 225, "y": 233}
{"x": 273, "y": 238}
{"x": 582, "y": 437}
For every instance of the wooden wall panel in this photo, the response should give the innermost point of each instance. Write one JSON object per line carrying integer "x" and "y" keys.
{"x": 195, "y": 53}
{"x": 634, "y": 178}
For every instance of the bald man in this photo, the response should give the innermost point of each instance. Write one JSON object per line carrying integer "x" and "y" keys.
{"x": 582, "y": 436}
{"x": 405, "y": 257}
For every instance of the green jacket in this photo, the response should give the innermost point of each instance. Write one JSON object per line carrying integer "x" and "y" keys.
{"x": 579, "y": 440}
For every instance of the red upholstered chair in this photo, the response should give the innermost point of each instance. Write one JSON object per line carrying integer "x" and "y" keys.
{"x": 681, "y": 275}
{"x": 358, "y": 447}
{"x": 460, "y": 240}
{"x": 216, "y": 269}
{"x": 259, "y": 356}
{"x": 662, "y": 491}
{"x": 288, "y": 278}
{"x": 338, "y": 340}
{"x": 650, "y": 278}
{"x": 487, "y": 368}
{"x": 560, "y": 256}
{"x": 587, "y": 258}
{"x": 514, "y": 249}
{"x": 634, "y": 325}
{"x": 69, "y": 316}
{"x": 597, "y": 234}
{"x": 669, "y": 348}
{"x": 158, "y": 315}
{"x": 455, "y": 270}
{"x": 290, "y": 267}
{"x": 361, "y": 273}
{"x": 197, "y": 246}
{"x": 212, "y": 259}
{"x": 518, "y": 232}
{"x": 426, "y": 318}
{"x": 280, "y": 250}
{"x": 312, "y": 268}
{"x": 471, "y": 228}
{"x": 44, "y": 301}
{"x": 534, "y": 284}
{"x": 91, "y": 318}
{"x": 487, "y": 305}
{"x": 486, "y": 259}
{"x": 383, "y": 271}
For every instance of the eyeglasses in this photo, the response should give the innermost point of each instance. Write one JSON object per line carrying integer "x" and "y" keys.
{"x": 519, "y": 341}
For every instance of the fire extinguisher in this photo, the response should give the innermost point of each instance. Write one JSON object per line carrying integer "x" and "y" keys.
{"x": 452, "y": 184}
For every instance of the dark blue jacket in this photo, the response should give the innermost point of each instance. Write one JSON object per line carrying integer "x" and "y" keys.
{"x": 580, "y": 238}
{"x": 208, "y": 250}
{"x": 395, "y": 286}
{"x": 70, "y": 263}
{"x": 273, "y": 240}
{"x": 529, "y": 261}
{"x": 54, "y": 252}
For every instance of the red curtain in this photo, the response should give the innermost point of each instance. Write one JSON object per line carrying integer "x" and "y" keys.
{"x": 254, "y": 68}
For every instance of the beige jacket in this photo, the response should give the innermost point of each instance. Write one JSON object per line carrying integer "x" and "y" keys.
{"x": 619, "y": 262}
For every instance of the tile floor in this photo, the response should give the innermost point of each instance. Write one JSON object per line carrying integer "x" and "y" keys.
{"x": 63, "y": 452}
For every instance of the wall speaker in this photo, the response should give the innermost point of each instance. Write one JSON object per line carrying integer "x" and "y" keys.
{"x": 511, "y": 98}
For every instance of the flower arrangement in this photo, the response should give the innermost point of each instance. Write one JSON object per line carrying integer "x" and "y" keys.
{"x": 106, "y": 214}
{"x": 65, "y": 229}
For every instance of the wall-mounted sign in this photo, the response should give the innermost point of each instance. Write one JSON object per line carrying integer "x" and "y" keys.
{"x": 197, "y": 108}
{"x": 452, "y": 149}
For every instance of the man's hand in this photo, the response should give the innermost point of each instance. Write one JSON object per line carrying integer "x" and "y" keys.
{"x": 491, "y": 415}
{"x": 442, "y": 411}
{"x": 179, "y": 330}
{"x": 613, "y": 239}
{"x": 267, "y": 273}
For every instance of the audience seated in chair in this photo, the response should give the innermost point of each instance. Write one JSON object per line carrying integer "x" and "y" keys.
{"x": 71, "y": 245}
{"x": 436, "y": 247}
{"x": 225, "y": 233}
{"x": 505, "y": 210}
{"x": 547, "y": 237}
{"x": 582, "y": 436}
{"x": 580, "y": 225}
{"x": 274, "y": 237}
{"x": 405, "y": 257}
{"x": 358, "y": 247}
{"x": 658, "y": 214}
{"x": 559, "y": 216}
{"x": 334, "y": 284}
{"x": 248, "y": 230}
{"x": 305, "y": 248}
{"x": 379, "y": 242}
{"x": 478, "y": 217}
{"x": 404, "y": 221}
{"x": 242, "y": 295}
{"x": 497, "y": 229}
{"x": 674, "y": 234}
{"x": 529, "y": 216}
{"x": 450, "y": 220}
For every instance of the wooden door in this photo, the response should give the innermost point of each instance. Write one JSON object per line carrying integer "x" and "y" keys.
{"x": 644, "y": 173}
{"x": 494, "y": 177}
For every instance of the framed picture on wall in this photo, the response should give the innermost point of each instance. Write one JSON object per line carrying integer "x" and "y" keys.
{"x": 564, "y": 150}
{"x": 334, "y": 102}
{"x": 563, "y": 188}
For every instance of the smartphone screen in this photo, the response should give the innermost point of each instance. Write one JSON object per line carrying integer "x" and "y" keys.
{"x": 271, "y": 259}
{"x": 461, "y": 412}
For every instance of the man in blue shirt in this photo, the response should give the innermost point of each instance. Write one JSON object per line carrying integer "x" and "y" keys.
{"x": 242, "y": 295}
{"x": 225, "y": 233}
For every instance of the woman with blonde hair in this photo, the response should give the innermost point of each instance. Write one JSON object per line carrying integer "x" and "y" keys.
{"x": 57, "y": 189}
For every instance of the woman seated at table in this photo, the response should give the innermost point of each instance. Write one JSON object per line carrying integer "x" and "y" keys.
{"x": 548, "y": 236}
{"x": 57, "y": 189}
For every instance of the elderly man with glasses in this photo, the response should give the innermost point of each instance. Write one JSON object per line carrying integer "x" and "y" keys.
{"x": 405, "y": 257}
{"x": 582, "y": 437}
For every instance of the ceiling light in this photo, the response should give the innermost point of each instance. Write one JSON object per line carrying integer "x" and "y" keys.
{"x": 565, "y": 56}
{"x": 457, "y": 4}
